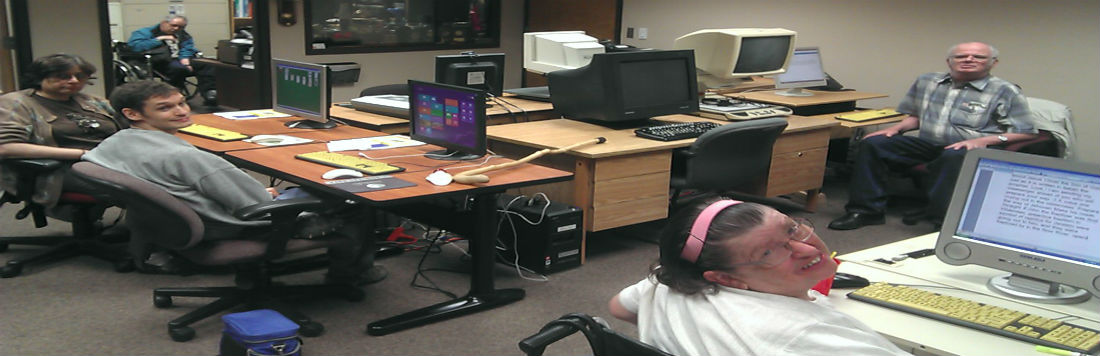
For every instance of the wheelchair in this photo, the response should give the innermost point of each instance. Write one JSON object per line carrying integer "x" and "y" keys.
{"x": 132, "y": 66}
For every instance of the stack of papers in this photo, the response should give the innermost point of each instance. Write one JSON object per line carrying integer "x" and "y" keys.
{"x": 372, "y": 143}
{"x": 250, "y": 114}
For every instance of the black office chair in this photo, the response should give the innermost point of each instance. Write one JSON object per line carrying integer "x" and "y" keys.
{"x": 392, "y": 89}
{"x": 87, "y": 234}
{"x": 156, "y": 218}
{"x": 603, "y": 340}
{"x": 132, "y": 66}
{"x": 732, "y": 157}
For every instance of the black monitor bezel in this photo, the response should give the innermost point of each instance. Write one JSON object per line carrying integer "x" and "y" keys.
{"x": 482, "y": 118}
{"x": 444, "y": 63}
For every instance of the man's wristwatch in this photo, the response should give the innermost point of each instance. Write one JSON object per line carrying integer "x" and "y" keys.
{"x": 1003, "y": 138}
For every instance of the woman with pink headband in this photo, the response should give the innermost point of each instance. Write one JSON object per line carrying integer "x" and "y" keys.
{"x": 735, "y": 279}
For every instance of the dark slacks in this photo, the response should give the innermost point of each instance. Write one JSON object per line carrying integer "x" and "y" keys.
{"x": 177, "y": 73}
{"x": 879, "y": 155}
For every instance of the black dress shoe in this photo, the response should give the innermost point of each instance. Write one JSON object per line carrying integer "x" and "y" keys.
{"x": 852, "y": 221}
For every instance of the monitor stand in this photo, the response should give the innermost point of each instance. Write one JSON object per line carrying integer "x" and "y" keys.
{"x": 449, "y": 155}
{"x": 1036, "y": 290}
{"x": 794, "y": 92}
{"x": 310, "y": 124}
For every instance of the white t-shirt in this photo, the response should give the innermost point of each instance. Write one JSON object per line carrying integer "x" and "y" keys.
{"x": 741, "y": 322}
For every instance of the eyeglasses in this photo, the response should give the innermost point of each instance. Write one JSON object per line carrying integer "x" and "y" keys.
{"x": 80, "y": 76}
{"x": 977, "y": 58}
{"x": 799, "y": 230}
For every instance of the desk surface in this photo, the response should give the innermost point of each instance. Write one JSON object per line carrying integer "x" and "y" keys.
{"x": 937, "y": 337}
{"x": 563, "y": 132}
{"x": 819, "y": 97}
{"x": 269, "y": 126}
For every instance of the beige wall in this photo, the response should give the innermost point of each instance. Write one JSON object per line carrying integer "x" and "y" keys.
{"x": 398, "y": 67}
{"x": 1050, "y": 48}
{"x": 79, "y": 35}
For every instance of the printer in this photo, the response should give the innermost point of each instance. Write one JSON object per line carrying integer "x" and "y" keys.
{"x": 235, "y": 51}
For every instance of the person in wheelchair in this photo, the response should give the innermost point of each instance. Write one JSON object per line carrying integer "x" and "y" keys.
{"x": 738, "y": 279}
{"x": 172, "y": 50}
{"x": 53, "y": 119}
{"x": 209, "y": 184}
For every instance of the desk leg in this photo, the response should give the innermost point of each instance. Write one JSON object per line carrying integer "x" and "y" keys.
{"x": 482, "y": 295}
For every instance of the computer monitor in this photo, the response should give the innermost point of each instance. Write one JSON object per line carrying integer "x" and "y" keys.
{"x": 627, "y": 88}
{"x": 302, "y": 89}
{"x": 1036, "y": 217}
{"x": 448, "y": 116}
{"x": 545, "y": 52}
{"x": 727, "y": 57}
{"x": 805, "y": 70}
{"x": 478, "y": 71}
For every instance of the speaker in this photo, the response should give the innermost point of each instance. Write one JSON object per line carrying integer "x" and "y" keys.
{"x": 552, "y": 245}
{"x": 287, "y": 17}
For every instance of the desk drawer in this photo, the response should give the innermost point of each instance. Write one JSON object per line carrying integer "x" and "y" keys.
{"x": 801, "y": 141}
{"x": 796, "y": 171}
{"x": 609, "y": 216}
{"x": 633, "y": 165}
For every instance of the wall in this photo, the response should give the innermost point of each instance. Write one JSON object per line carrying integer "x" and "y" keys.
{"x": 288, "y": 42}
{"x": 1050, "y": 48}
{"x": 79, "y": 35}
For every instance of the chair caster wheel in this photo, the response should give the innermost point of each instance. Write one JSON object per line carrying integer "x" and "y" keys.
{"x": 162, "y": 301}
{"x": 311, "y": 329}
{"x": 11, "y": 270}
{"x": 355, "y": 295}
{"x": 125, "y": 266}
{"x": 181, "y": 334}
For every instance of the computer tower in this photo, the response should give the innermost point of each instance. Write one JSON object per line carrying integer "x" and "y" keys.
{"x": 551, "y": 246}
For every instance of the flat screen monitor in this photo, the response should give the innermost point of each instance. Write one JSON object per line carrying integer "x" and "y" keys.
{"x": 627, "y": 88}
{"x": 478, "y": 71}
{"x": 302, "y": 89}
{"x": 448, "y": 116}
{"x": 1035, "y": 217}
{"x": 727, "y": 57}
{"x": 545, "y": 52}
{"x": 805, "y": 70}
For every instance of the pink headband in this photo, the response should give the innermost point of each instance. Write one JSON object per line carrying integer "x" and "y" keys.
{"x": 694, "y": 244}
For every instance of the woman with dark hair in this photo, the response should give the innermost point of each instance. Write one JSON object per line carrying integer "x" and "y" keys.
{"x": 53, "y": 119}
{"x": 736, "y": 279}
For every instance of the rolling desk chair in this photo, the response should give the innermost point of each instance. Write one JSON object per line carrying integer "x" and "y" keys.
{"x": 152, "y": 212}
{"x": 86, "y": 238}
{"x": 603, "y": 340}
{"x": 734, "y": 156}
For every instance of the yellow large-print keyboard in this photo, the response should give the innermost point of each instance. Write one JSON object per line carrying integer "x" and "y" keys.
{"x": 213, "y": 133}
{"x": 339, "y": 160}
{"x": 990, "y": 318}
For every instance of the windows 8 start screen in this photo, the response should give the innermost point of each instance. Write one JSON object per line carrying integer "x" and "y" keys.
{"x": 447, "y": 115}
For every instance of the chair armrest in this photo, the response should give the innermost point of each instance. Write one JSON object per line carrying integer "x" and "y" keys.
{"x": 279, "y": 208}
{"x": 33, "y": 165}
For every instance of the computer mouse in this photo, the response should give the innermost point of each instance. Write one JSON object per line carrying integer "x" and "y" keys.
{"x": 847, "y": 280}
{"x": 341, "y": 173}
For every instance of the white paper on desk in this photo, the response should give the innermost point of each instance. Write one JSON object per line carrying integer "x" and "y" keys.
{"x": 276, "y": 140}
{"x": 251, "y": 114}
{"x": 372, "y": 143}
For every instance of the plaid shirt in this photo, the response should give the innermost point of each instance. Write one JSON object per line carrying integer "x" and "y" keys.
{"x": 980, "y": 108}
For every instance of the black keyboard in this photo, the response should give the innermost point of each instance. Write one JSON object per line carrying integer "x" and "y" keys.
{"x": 675, "y": 131}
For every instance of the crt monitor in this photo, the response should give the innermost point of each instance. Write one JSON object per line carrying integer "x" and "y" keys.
{"x": 545, "y": 52}
{"x": 626, "y": 88}
{"x": 1035, "y": 217}
{"x": 302, "y": 89}
{"x": 727, "y": 57}
{"x": 478, "y": 71}
{"x": 805, "y": 70}
{"x": 448, "y": 116}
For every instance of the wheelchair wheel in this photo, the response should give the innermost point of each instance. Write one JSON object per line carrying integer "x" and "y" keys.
{"x": 126, "y": 73}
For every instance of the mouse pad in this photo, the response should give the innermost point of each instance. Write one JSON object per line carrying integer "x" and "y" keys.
{"x": 369, "y": 184}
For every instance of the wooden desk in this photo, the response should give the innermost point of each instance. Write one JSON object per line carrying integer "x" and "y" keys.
{"x": 925, "y": 336}
{"x": 476, "y": 218}
{"x": 272, "y": 126}
{"x": 626, "y": 180}
{"x": 822, "y": 102}
{"x": 498, "y": 115}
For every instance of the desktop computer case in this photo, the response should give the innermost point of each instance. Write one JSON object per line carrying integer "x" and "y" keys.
{"x": 552, "y": 246}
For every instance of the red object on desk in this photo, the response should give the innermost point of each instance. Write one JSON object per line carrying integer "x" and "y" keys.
{"x": 826, "y": 285}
